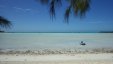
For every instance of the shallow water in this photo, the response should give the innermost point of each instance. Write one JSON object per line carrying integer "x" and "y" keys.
{"x": 55, "y": 40}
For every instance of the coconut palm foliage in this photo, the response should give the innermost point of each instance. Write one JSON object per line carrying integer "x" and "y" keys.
{"x": 76, "y": 7}
{"x": 4, "y": 23}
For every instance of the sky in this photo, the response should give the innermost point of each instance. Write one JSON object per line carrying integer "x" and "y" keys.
{"x": 31, "y": 16}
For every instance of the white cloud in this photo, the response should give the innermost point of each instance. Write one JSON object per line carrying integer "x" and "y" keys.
{"x": 17, "y": 8}
{"x": 22, "y": 9}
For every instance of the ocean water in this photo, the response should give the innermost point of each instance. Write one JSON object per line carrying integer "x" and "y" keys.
{"x": 55, "y": 40}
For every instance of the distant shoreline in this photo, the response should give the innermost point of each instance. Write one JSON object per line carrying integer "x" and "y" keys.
{"x": 56, "y": 32}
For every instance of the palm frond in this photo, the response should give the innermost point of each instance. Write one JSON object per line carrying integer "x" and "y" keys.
{"x": 84, "y": 7}
{"x": 67, "y": 14}
{"x": 4, "y": 22}
{"x": 80, "y": 6}
{"x": 52, "y": 8}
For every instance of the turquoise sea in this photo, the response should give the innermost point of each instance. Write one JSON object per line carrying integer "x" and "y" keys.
{"x": 55, "y": 40}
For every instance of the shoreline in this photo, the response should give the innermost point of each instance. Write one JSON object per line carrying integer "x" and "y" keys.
{"x": 55, "y": 51}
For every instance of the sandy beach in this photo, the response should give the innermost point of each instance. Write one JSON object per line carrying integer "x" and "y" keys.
{"x": 101, "y": 58}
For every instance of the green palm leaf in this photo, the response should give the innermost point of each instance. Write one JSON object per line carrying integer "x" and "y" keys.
{"x": 78, "y": 7}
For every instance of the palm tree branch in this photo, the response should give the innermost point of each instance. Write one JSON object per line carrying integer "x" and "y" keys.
{"x": 80, "y": 6}
{"x": 4, "y": 22}
{"x": 52, "y": 8}
{"x": 67, "y": 14}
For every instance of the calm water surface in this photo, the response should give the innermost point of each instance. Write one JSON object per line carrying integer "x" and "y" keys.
{"x": 55, "y": 40}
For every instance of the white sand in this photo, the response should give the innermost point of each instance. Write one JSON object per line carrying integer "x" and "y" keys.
{"x": 105, "y": 58}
